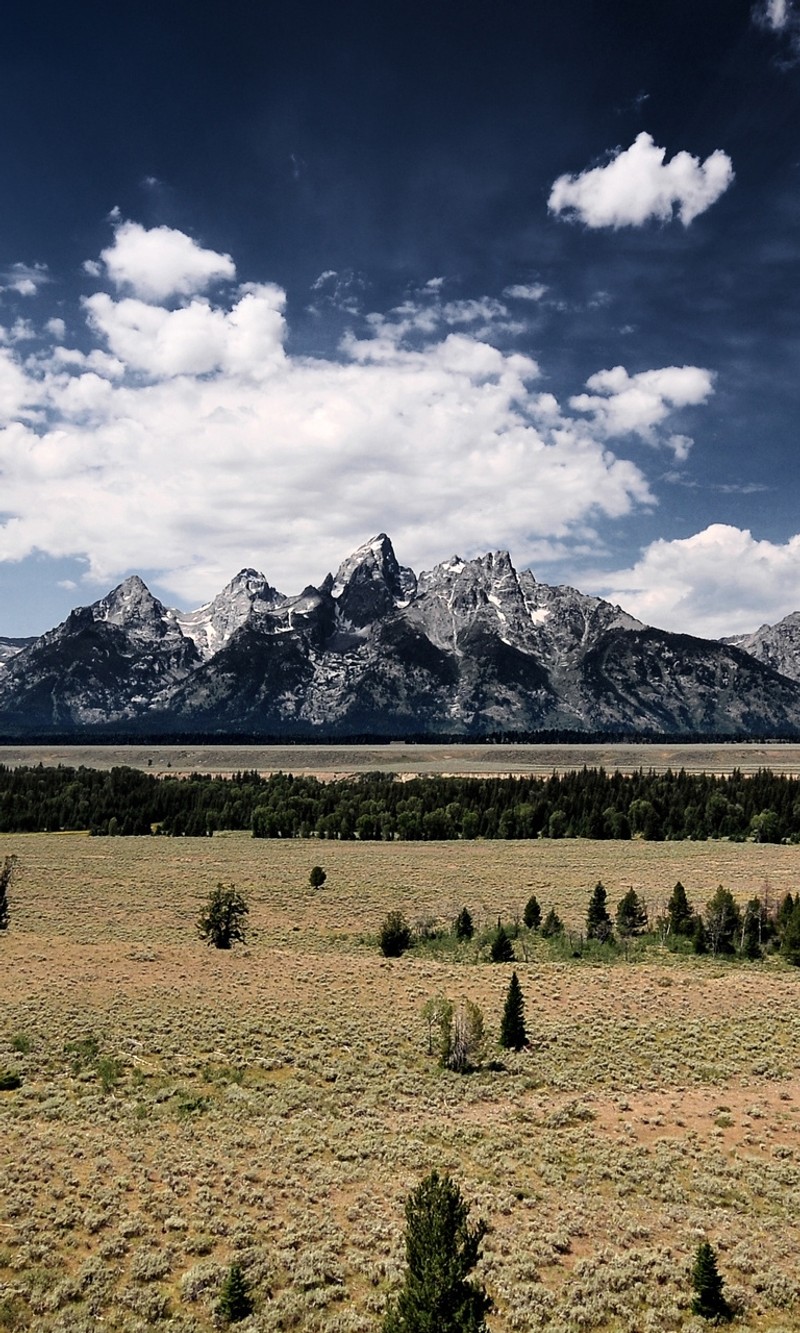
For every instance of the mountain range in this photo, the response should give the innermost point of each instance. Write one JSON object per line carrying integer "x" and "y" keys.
{"x": 470, "y": 647}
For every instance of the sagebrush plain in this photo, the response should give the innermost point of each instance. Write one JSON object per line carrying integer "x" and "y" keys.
{"x": 181, "y": 1107}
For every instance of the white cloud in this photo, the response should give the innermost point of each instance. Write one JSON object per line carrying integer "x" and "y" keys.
{"x": 719, "y": 581}
{"x": 638, "y": 186}
{"x": 189, "y": 439}
{"x": 521, "y": 291}
{"x": 57, "y": 328}
{"x": 775, "y": 14}
{"x": 161, "y": 262}
{"x": 624, "y": 404}
{"x": 24, "y": 279}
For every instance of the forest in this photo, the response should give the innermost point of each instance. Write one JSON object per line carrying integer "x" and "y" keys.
{"x": 589, "y": 803}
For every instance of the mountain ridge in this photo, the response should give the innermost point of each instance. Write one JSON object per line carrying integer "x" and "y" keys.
{"x": 469, "y": 647}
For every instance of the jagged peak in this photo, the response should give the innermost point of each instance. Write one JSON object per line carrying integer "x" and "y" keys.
{"x": 130, "y": 600}
{"x": 375, "y": 556}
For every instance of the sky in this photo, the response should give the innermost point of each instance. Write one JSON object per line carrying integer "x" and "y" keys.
{"x": 276, "y": 278}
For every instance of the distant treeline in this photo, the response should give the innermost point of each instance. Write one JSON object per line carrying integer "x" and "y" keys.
{"x": 107, "y": 735}
{"x": 589, "y": 803}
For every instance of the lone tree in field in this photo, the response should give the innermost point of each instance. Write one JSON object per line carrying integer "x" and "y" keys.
{"x": 708, "y": 1300}
{"x": 395, "y": 935}
{"x": 317, "y": 877}
{"x": 532, "y": 916}
{"x": 464, "y": 927}
{"x": 6, "y": 873}
{"x": 598, "y": 922}
{"x": 235, "y": 1302}
{"x": 438, "y": 1295}
{"x": 512, "y": 1027}
{"x": 222, "y": 923}
{"x": 631, "y": 915}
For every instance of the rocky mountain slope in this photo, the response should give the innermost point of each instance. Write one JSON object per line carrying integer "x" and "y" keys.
{"x": 469, "y": 647}
{"x": 778, "y": 646}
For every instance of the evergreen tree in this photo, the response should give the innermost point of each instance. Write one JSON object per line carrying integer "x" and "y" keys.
{"x": 699, "y": 937}
{"x": 437, "y": 1295}
{"x": 598, "y": 922}
{"x": 723, "y": 922}
{"x": 552, "y": 925}
{"x": 464, "y": 928}
{"x": 222, "y": 923}
{"x": 790, "y": 941}
{"x": 708, "y": 1300}
{"x": 631, "y": 915}
{"x": 784, "y": 912}
{"x": 502, "y": 950}
{"x": 6, "y": 873}
{"x": 235, "y": 1302}
{"x": 512, "y": 1028}
{"x": 395, "y": 935}
{"x": 679, "y": 912}
{"x": 750, "y": 939}
{"x": 532, "y": 916}
{"x": 317, "y": 877}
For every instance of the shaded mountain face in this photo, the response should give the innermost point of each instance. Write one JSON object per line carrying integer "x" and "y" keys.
{"x": 777, "y": 646}
{"x": 469, "y": 647}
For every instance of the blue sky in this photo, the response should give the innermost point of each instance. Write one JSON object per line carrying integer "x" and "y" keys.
{"x": 276, "y": 278}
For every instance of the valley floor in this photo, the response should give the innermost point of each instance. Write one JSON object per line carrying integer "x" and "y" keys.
{"x": 181, "y": 1107}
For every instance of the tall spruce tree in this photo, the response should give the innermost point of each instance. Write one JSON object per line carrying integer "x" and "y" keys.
{"x": 464, "y": 927}
{"x": 512, "y": 1027}
{"x": 438, "y": 1295}
{"x": 235, "y": 1302}
{"x": 502, "y": 950}
{"x": 631, "y": 915}
{"x": 6, "y": 873}
{"x": 598, "y": 922}
{"x": 532, "y": 915}
{"x": 708, "y": 1300}
{"x": 680, "y": 913}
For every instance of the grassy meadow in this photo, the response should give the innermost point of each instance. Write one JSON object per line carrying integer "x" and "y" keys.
{"x": 181, "y": 1107}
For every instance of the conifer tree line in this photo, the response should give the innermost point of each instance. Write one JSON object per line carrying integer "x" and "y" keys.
{"x": 722, "y": 929}
{"x": 589, "y": 803}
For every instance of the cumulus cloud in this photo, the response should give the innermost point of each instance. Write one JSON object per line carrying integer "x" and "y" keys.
{"x": 623, "y": 404}
{"x": 161, "y": 262}
{"x": 717, "y": 582}
{"x": 24, "y": 279}
{"x": 637, "y": 186}
{"x": 521, "y": 291}
{"x": 191, "y": 440}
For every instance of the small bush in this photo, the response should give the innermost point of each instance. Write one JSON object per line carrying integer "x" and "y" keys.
{"x": 395, "y": 935}
{"x": 9, "y": 1081}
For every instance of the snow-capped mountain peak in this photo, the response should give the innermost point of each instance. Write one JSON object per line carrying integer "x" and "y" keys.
{"x": 211, "y": 626}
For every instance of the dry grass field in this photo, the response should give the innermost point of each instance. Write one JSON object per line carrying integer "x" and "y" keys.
{"x": 332, "y": 761}
{"x": 182, "y": 1107}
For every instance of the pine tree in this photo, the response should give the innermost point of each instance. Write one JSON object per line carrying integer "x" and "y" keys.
{"x": 708, "y": 1300}
{"x": 750, "y": 940}
{"x": 790, "y": 941}
{"x": 6, "y": 872}
{"x": 317, "y": 877}
{"x": 552, "y": 925}
{"x": 502, "y": 950}
{"x": 464, "y": 928}
{"x": 532, "y": 916}
{"x": 438, "y": 1296}
{"x": 631, "y": 915}
{"x": 598, "y": 922}
{"x": 512, "y": 1028}
{"x": 699, "y": 938}
{"x": 679, "y": 912}
{"x": 223, "y": 923}
{"x": 235, "y": 1302}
